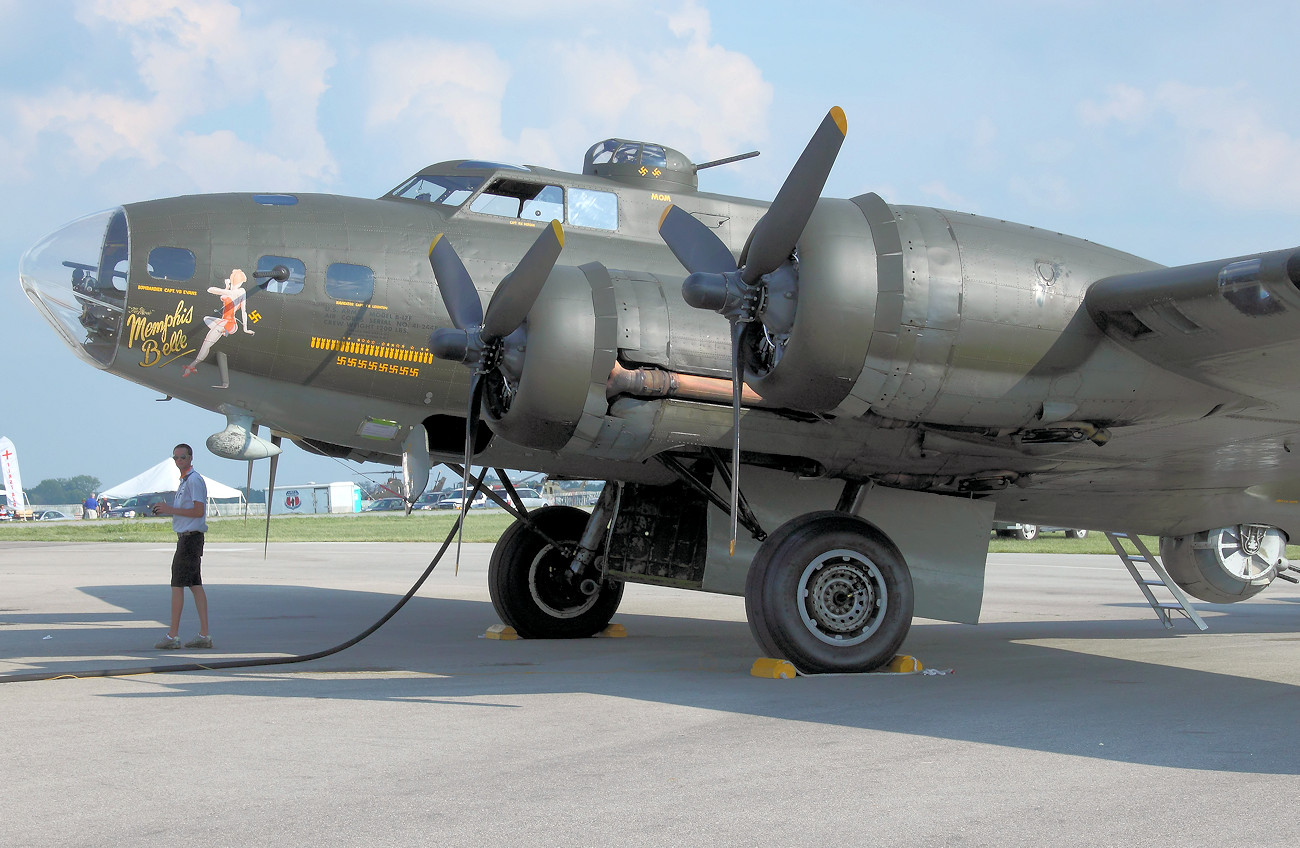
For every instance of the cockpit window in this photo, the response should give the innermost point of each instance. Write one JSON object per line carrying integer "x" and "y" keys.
{"x": 590, "y": 208}
{"x": 438, "y": 188}
{"x": 518, "y": 199}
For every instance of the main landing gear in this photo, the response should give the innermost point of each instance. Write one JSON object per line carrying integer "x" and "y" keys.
{"x": 534, "y": 587}
{"x": 827, "y": 591}
{"x": 830, "y": 593}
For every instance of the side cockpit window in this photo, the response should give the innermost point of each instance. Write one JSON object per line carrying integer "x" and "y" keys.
{"x": 590, "y": 208}
{"x": 539, "y": 203}
{"x": 295, "y": 281}
{"x": 520, "y": 199}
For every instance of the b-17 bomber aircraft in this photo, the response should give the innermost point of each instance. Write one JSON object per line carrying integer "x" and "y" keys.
{"x": 819, "y": 404}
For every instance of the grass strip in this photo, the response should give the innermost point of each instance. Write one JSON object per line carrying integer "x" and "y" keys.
{"x": 421, "y": 526}
{"x": 417, "y": 527}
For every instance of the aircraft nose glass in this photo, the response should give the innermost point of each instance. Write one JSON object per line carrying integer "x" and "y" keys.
{"x": 76, "y": 277}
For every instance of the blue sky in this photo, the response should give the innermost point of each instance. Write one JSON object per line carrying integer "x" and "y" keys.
{"x": 1166, "y": 129}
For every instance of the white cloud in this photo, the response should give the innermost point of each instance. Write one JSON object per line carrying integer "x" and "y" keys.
{"x": 671, "y": 84}
{"x": 190, "y": 58}
{"x": 427, "y": 89}
{"x": 1219, "y": 140}
{"x": 1123, "y": 104}
{"x": 1043, "y": 191}
{"x": 939, "y": 190}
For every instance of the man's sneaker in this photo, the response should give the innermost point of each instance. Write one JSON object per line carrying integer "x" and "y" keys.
{"x": 169, "y": 643}
{"x": 199, "y": 642}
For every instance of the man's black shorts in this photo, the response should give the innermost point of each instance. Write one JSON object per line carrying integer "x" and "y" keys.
{"x": 185, "y": 565}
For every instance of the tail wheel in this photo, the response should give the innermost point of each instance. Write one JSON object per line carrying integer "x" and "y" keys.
{"x": 533, "y": 588}
{"x": 830, "y": 593}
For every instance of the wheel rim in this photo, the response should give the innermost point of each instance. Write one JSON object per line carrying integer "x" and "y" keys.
{"x": 1248, "y": 551}
{"x": 842, "y": 597}
{"x": 552, "y": 589}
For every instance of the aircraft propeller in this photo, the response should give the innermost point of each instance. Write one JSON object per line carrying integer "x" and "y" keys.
{"x": 763, "y": 286}
{"x": 486, "y": 342}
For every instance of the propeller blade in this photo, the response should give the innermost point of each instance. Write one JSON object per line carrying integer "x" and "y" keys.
{"x": 696, "y": 246}
{"x": 518, "y": 291}
{"x": 458, "y": 292}
{"x": 778, "y": 231}
{"x": 270, "y": 493}
{"x": 471, "y": 424}
{"x": 737, "y": 385}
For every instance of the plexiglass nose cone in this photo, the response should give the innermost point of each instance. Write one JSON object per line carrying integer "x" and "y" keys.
{"x": 76, "y": 276}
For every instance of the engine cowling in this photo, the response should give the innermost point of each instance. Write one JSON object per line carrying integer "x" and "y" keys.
{"x": 1226, "y": 565}
{"x": 815, "y": 365}
{"x": 566, "y": 355}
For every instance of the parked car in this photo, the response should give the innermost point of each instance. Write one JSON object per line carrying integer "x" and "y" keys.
{"x": 139, "y": 506}
{"x": 429, "y": 500}
{"x": 385, "y": 505}
{"x": 50, "y": 515}
{"x": 532, "y": 499}
{"x": 451, "y": 500}
{"x": 1029, "y": 532}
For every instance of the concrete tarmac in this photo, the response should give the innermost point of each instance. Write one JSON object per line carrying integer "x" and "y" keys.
{"x": 1069, "y": 717}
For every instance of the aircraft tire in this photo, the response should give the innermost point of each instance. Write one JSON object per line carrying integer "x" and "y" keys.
{"x": 830, "y": 593}
{"x": 1027, "y": 532}
{"x": 532, "y": 588}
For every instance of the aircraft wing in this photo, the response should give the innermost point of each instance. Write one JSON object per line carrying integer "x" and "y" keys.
{"x": 1231, "y": 323}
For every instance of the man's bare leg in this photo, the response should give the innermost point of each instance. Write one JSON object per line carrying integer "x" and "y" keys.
{"x": 201, "y": 604}
{"x": 178, "y": 604}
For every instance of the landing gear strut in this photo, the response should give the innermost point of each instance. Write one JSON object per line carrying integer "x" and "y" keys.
{"x": 830, "y": 593}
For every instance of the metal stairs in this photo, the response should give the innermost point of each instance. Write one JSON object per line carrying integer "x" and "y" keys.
{"x": 1164, "y": 609}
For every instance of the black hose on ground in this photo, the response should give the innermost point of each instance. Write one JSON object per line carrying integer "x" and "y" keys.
{"x": 260, "y": 661}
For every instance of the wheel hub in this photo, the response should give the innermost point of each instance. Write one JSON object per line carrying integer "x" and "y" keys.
{"x": 555, "y": 588}
{"x": 842, "y": 597}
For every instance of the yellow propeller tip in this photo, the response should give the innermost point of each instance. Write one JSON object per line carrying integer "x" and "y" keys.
{"x": 667, "y": 209}
{"x": 435, "y": 241}
{"x": 837, "y": 115}
{"x": 733, "y": 547}
{"x": 559, "y": 232}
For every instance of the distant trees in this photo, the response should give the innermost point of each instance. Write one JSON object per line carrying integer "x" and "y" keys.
{"x": 63, "y": 490}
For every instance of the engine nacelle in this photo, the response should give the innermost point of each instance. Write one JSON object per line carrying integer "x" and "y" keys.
{"x": 815, "y": 366}
{"x": 1226, "y": 565}
{"x": 568, "y": 351}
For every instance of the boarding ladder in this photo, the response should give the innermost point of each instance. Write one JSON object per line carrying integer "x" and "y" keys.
{"x": 1164, "y": 609}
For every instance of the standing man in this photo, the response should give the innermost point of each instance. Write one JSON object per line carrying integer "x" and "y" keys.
{"x": 90, "y": 507}
{"x": 188, "y": 509}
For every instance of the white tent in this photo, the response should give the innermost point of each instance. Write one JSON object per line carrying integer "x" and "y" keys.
{"x": 164, "y": 477}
